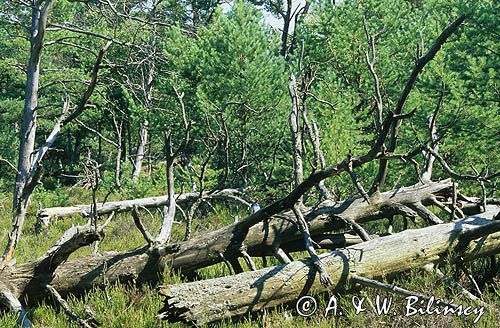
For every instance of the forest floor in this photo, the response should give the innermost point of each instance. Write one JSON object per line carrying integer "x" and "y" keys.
{"x": 131, "y": 306}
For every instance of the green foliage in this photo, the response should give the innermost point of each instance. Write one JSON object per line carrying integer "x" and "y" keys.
{"x": 234, "y": 90}
{"x": 335, "y": 46}
{"x": 235, "y": 97}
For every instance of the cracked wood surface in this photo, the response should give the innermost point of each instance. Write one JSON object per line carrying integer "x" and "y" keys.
{"x": 215, "y": 299}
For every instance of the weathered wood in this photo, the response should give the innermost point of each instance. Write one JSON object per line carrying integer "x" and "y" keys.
{"x": 168, "y": 212}
{"x": 28, "y": 171}
{"x": 262, "y": 238}
{"x": 45, "y": 215}
{"x": 141, "y": 147}
{"x": 15, "y": 306}
{"x": 17, "y": 281}
{"x": 295, "y": 130}
{"x": 146, "y": 264}
{"x": 31, "y": 161}
{"x": 215, "y": 299}
{"x": 326, "y": 241}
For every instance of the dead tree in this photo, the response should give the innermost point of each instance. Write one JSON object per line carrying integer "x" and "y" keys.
{"x": 147, "y": 263}
{"x": 46, "y": 215}
{"x": 296, "y": 133}
{"x": 30, "y": 160}
{"x": 310, "y": 129}
{"x": 290, "y": 17}
{"x": 381, "y": 177}
{"x": 147, "y": 86}
{"x": 205, "y": 301}
{"x": 117, "y": 142}
{"x": 141, "y": 149}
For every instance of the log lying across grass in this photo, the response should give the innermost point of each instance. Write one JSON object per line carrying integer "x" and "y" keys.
{"x": 277, "y": 232}
{"x": 215, "y": 299}
{"x": 27, "y": 281}
{"x": 145, "y": 264}
{"x": 45, "y": 215}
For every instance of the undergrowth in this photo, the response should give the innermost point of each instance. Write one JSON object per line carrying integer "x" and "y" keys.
{"x": 136, "y": 306}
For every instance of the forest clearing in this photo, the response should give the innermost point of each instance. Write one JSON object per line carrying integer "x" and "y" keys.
{"x": 249, "y": 163}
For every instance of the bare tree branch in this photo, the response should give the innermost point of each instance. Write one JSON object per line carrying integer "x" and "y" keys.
{"x": 7, "y": 298}
{"x": 138, "y": 223}
{"x": 169, "y": 214}
{"x": 323, "y": 274}
{"x": 12, "y": 166}
{"x": 419, "y": 66}
{"x": 62, "y": 303}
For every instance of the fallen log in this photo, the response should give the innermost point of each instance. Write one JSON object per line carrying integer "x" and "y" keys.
{"x": 215, "y": 299}
{"x": 46, "y": 215}
{"x": 326, "y": 241}
{"x": 147, "y": 264}
{"x": 264, "y": 238}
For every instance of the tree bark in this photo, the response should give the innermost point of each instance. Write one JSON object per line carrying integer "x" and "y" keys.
{"x": 210, "y": 300}
{"x": 143, "y": 129}
{"x": 141, "y": 150}
{"x": 31, "y": 161}
{"x": 118, "y": 166}
{"x": 417, "y": 69}
{"x": 146, "y": 264}
{"x": 287, "y": 19}
{"x": 119, "y": 150}
{"x": 46, "y": 215}
{"x": 27, "y": 135}
{"x": 263, "y": 238}
{"x": 278, "y": 232}
{"x": 296, "y": 133}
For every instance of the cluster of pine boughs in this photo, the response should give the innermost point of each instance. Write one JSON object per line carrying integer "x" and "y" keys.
{"x": 228, "y": 71}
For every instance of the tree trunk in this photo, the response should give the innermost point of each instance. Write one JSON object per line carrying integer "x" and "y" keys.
{"x": 118, "y": 165}
{"x": 28, "y": 128}
{"x": 206, "y": 301}
{"x": 143, "y": 129}
{"x": 46, "y": 215}
{"x": 296, "y": 133}
{"x": 287, "y": 18}
{"x": 263, "y": 239}
{"x": 195, "y": 15}
{"x": 141, "y": 149}
{"x": 146, "y": 264}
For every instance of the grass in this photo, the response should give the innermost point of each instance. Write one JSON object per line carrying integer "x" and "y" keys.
{"x": 129, "y": 306}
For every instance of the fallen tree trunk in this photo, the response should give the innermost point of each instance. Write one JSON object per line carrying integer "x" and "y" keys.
{"x": 75, "y": 277}
{"x": 46, "y": 215}
{"x": 146, "y": 264}
{"x": 264, "y": 238}
{"x": 326, "y": 241}
{"x": 215, "y": 299}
